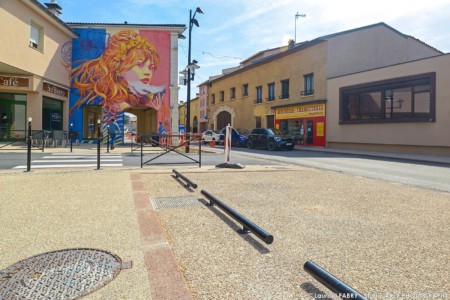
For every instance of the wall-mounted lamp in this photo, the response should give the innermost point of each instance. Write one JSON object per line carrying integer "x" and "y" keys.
{"x": 30, "y": 119}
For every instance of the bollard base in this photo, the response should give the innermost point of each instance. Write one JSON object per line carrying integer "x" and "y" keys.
{"x": 230, "y": 166}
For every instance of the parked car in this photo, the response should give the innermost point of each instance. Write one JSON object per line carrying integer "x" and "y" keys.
{"x": 211, "y": 135}
{"x": 270, "y": 138}
{"x": 238, "y": 136}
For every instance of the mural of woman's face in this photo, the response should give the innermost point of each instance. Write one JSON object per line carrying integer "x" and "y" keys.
{"x": 142, "y": 72}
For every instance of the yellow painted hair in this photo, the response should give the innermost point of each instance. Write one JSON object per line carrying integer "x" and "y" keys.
{"x": 102, "y": 76}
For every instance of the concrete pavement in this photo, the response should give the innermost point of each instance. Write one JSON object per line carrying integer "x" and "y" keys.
{"x": 376, "y": 236}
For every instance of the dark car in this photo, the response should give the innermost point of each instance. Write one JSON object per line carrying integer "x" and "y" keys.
{"x": 238, "y": 136}
{"x": 270, "y": 138}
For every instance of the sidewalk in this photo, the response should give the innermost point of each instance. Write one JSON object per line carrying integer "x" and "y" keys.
{"x": 375, "y": 236}
{"x": 405, "y": 156}
{"x": 182, "y": 249}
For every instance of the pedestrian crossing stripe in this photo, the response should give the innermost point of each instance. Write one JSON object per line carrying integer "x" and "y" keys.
{"x": 75, "y": 160}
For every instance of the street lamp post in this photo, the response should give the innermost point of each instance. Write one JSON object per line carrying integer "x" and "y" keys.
{"x": 192, "y": 21}
{"x": 296, "y": 17}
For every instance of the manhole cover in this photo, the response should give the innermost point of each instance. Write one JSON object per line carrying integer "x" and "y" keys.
{"x": 63, "y": 274}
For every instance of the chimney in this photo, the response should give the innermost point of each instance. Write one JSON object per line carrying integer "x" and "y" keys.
{"x": 54, "y": 8}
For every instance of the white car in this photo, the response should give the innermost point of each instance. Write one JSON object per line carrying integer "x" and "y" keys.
{"x": 211, "y": 135}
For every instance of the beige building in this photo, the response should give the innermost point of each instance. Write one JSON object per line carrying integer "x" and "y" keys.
{"x": 286, "y": 87}
{"x": 400, "y": 108}
{"x": 34, "y": 68}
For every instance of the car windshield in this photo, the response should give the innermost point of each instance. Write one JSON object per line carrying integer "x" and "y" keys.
{"x": 274, "y": 131}
{"x": 243, "y": 131}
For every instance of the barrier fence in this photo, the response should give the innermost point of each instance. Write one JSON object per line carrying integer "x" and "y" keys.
{"x": 248, "y": 226}
{"x": 166, "y": 142}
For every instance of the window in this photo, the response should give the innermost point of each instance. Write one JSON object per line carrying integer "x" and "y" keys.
{"x": 244, "y": 90}
{"x": 406, "y": 99}
{"x": 271, "y": 91}
{"x": 213, "y": 98}
{"x": 222, "y": 96}
{"x": 233, "y": 93}
{"x": 284, "y": 89}
{"x": 258, "y": 94}
{"x": 308, "y": 84}
{"x": 36, "y": 36}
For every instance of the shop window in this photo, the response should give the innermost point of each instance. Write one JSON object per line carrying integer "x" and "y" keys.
{"x": 258, "y": 95}
{"x": 308, "y": 84}
{"x": 284, "y": 89}
{"x": 271, "y": 91}
{"x": 52, "y": 114}
{"x": 245, "y": 90}
{"x": 406, "y": 99}
{"x": 36, "y": 36}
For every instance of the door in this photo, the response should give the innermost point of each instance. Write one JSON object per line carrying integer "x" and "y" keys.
{"x": 223, "y": 119}
{"x": 5, "y": 120}
{"x": 309, "y": 132}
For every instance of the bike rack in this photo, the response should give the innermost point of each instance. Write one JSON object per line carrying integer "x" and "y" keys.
{"x": 187, "y": 180}
{"x": 332, "y": 283}
{"x": 246, "y": 223}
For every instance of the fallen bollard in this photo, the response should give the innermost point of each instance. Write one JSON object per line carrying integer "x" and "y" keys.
{"x": 246, "y": 223}
{"x": 188, "y": 182}
{"x": 332, "y": 283}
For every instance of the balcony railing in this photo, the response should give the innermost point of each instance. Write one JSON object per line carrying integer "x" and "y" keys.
{"x": 307, "y": 92}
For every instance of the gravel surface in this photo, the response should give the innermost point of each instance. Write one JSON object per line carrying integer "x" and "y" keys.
{"x": 383, "y": 239}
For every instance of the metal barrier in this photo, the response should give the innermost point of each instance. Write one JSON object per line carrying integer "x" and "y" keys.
{"x": 246, "y": 223}
{"x": 332, "y": 283}
{"x": 36, "y": 135}
{"x": 187, "y": 180}
{"x": 162, "y": 142}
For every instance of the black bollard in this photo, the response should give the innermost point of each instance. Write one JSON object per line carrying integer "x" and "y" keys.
{"x": 98, "y": 146}
{"x": 71, "y": 136}
{"x": 107, "y": 140}
{"x": 29, "y": 146}
{"x": 332, "y": 283}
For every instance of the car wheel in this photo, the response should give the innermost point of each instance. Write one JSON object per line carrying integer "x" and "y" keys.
{"x": 271, "y": 146}
{"x": 250, "y": 145}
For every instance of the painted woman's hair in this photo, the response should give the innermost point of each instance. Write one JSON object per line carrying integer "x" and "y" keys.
{"x": 102, "y": 76}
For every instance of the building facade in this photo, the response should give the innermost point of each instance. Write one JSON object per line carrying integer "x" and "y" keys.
{"x": 71, "y": 76}
{"x": 120, "y": 68}
{"x": 400, "y": 108}
{"x": 34, "y": 69}
{"x": 286, "y": 87}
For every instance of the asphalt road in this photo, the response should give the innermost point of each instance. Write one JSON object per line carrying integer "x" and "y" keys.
{"x": 431, "y": 176}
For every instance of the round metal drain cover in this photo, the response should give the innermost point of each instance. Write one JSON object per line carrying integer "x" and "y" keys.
{"x": 63, "y": 274}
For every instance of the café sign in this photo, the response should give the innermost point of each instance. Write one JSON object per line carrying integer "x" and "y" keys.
{"x": 11, "y": 81}
{"x": 51, "y": 88}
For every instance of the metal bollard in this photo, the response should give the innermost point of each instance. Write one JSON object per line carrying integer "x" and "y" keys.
{"x": 332, "y": 283}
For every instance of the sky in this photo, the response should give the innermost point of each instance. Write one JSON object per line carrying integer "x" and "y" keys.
{"x": 231, "y": 31}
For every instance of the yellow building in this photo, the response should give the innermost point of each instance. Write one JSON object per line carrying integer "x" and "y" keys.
{"x": 195, "y": 109}
{"x": 286, "y": 87}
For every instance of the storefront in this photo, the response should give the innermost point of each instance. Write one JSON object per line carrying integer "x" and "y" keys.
{"x": 13, "y": 106}
{"x": 306, "y": 122}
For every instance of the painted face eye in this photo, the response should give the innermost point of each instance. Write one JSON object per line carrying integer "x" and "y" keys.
{"x": 140, "y": 63}
{"x": 151, "y": 67}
